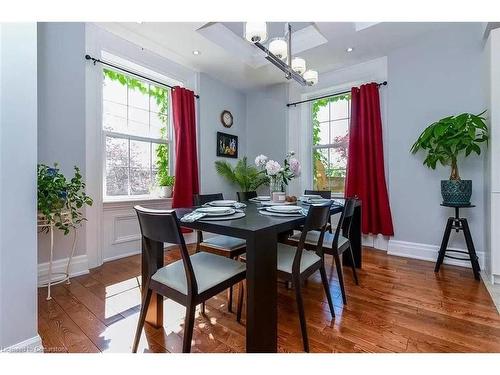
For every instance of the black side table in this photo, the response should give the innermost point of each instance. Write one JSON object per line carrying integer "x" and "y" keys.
{"x": 459, "y": 224}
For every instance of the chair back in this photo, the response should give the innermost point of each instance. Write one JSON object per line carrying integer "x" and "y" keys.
{"x": 327, "y": 194}
{"x": 345, "y": 220}
{"x": 158, "y": 227}
{"x": 246, "y": 195}
{"x": 201, "y": 199}
{"x": 317, "y": 219}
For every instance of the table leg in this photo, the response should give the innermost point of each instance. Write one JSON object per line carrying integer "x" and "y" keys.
{"x": 355, "y": 239}
{"x": 470, "y": 248}
{"x": 154, "y": 315}
{"x": 262, "y": 314}
{"x": 444, "y": 244}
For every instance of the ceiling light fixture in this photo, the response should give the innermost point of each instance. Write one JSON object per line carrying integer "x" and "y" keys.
{"x": 256, "y": 32}
{"x": 349, "y": 49}
{"x": 196, "y": 52}
{"x": 279, "y": 53}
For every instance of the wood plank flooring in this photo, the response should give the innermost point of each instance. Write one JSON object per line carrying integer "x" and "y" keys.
{"x": 401, "y": 305}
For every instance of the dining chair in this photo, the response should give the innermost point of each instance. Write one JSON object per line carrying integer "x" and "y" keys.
{"x": 246, "y": 195}
{"x": 188, "y": 281}
{"x": 335, "y": 244}
{"x": 326, "y": 194}
{"x": 230, "y": 247}
{"x": 296, "y": 264}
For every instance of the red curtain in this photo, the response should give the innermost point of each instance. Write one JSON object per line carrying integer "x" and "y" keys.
{"x": 365, "y": 164}
{"x": 186, "y": 163}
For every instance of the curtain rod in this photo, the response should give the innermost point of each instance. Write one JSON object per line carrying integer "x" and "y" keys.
{"x": 327, "y": 96}
{"x": 88, "y": 57}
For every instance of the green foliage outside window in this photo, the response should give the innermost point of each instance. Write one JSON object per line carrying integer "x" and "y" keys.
{"x": 316, "y": 134}
{"x": 161, "y": 96}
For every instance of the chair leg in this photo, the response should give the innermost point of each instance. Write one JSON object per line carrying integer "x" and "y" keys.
{"x": 142, "y": 319}
{"x": 302, "y": 317}
{"x": 324, "y": 279}
{"x": 241, "y": 293}
{"x": 188, "y": 327}
{"x": 353, "y": 266}
{"x": 230, "y": 299}
{"x": 203, "y": 308}
{"x": 340, "y": 275}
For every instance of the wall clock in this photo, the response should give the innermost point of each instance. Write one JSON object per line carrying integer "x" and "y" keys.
{"x": 226, "y": 118}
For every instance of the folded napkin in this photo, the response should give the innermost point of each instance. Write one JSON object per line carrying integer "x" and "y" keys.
{"x": 239, "y": 205}
{"x": 193, "y": 216}
{"x": 304, "y": 212}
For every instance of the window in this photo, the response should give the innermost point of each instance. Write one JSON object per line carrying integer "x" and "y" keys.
{"x": 330, "y": 133}
{"x": 136, "y": 127}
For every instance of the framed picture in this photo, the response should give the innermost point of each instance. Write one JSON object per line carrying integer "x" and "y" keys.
{"x": 227, "y": 145}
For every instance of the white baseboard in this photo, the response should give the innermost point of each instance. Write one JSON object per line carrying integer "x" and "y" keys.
{"x": 378, "y": 242}
{"x": 32, "y": 345}
{"x": 428, "y": 252}
{"x": 79, "y": 266}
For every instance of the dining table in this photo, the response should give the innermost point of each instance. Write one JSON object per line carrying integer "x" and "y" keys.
{"x": 262, "y": 234}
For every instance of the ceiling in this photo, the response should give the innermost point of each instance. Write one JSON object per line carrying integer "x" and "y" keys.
{"x": 228, "y": 57}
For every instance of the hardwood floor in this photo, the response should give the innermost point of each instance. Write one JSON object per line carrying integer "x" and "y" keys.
{"x": 401, "y": 305}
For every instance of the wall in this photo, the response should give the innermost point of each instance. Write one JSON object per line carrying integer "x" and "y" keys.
{"x": 18, "y": 155}
{"x": 434, "y": 77}
{"x": 266, "y": 122}
{"x": 214, "y": 98}
{"x": 61, "y": 114}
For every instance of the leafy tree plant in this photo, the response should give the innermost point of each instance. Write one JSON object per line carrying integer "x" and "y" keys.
{"x": 450, "y": 137}
{"x": 247, "y": 177}
{"x": 60, "y": 201}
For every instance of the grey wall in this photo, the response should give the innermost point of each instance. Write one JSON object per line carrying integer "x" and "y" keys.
{"x": 437, "y": 76}
{"x": 214, "y": 98}
{"x": 266, "y": 122}
{"x": 18, "y": 148}
{"x": 61, "y": 115}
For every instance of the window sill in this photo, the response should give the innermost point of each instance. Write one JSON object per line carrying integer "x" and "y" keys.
{"x": 129, "y": 202}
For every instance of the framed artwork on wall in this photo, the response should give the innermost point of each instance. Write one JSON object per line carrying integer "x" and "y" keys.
{"x": 227, "y": 145}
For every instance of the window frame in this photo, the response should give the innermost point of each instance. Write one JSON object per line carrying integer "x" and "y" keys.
{"x": 170, "y": 142}
{"x": 327, "y": 146}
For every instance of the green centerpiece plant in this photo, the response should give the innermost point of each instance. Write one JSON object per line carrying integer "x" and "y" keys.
{"x": 61, "y": 201}
{"x": 445, "y": 141}
{"x": 247, "y": 177}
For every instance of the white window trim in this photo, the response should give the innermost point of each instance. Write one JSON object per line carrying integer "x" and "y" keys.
{"x": 110, "y": 199}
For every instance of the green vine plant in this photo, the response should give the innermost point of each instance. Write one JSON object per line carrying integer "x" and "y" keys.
{"x": 247, "y": 177}
{"x": 316, "y": 134}
{"x": 448, "y": 138}
{"x": 61, "y": 202}
{"x": 161, "y": 97}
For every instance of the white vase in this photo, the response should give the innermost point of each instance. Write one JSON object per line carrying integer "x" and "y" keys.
{"x": 165, "y": 191}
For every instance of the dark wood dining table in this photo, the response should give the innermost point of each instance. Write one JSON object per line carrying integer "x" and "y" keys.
{"x": 262, "y": 234}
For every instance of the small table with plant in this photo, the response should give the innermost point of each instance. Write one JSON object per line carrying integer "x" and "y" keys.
{"x": 60, "y": 204}
{"x": 445, "y": 141}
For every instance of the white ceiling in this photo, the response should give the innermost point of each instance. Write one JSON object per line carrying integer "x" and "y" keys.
{"x": 228, "y": 57}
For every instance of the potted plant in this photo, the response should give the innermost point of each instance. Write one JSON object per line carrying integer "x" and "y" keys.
{"x": 446, "y": 140}
{"x": 247, "y": 177}
{"x": 60, "y": 201}
{"x": 166, "y": 184}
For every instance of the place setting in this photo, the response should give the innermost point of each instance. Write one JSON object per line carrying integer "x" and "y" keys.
{"x": 313, "y": 199}
{"x": 216, "y": 211}
{"x": 283, "y": 211}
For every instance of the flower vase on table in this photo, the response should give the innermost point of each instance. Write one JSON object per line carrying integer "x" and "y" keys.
{"x": 278, "y": 175}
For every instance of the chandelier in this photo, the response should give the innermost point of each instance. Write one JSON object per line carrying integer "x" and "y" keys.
{"x": 279, "y": 53}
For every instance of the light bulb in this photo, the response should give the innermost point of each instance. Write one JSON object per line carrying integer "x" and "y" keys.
{"x": 278, "y": 48}
{"x": 311, "y": 77}
{"x": 256, "y": 32}
{"x": 299, "y": 65}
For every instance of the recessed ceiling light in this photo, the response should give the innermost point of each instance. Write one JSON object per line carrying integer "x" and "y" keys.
{"x": 349, "y": 49}
{"x": 196, "y": 52}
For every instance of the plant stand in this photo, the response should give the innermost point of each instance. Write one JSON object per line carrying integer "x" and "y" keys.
{"x": 459, "y": 224}
{"x": 55, "y": 278}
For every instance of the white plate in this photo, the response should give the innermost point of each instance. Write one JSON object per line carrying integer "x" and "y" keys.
{"x": 263, "y": 198}
{"x": 236, "y": 215}
{"x": 279, "y": 214}
{"x": 284, "y": 209}
{"x": 222, "y": 203}
{"x": 216, "y": 211}
{"x": 270, "y": 203}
